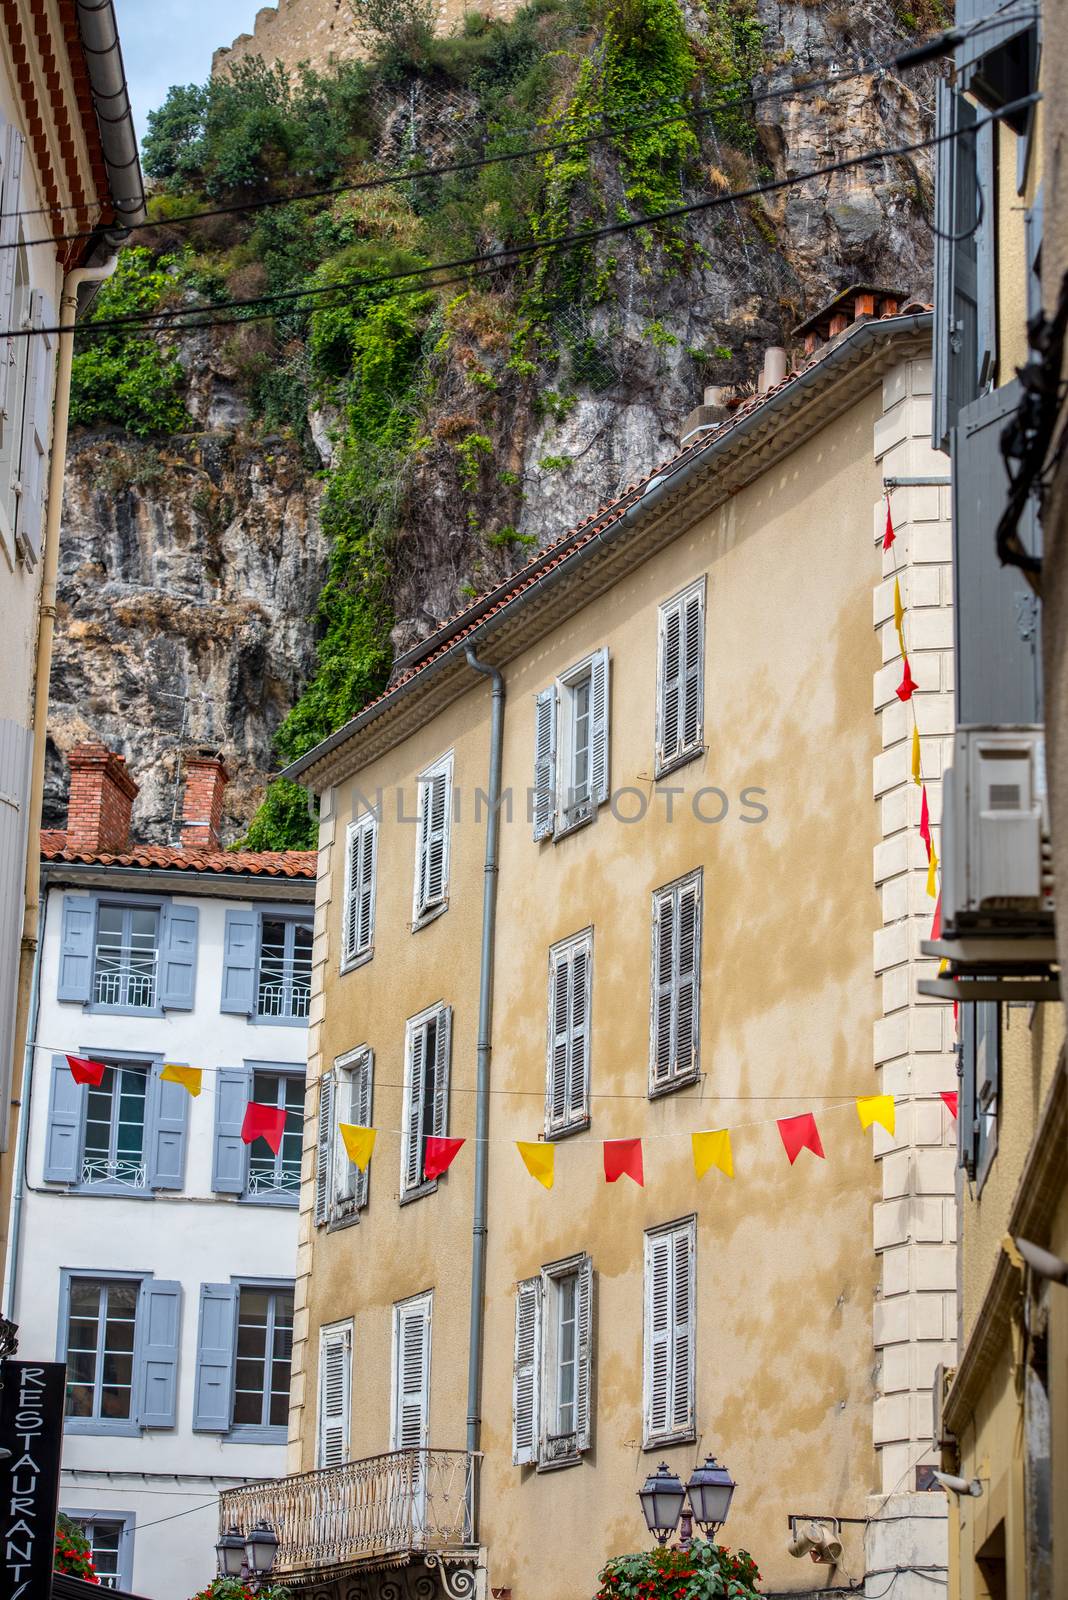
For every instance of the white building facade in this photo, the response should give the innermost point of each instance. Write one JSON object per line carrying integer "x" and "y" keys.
{"x": 152, "y": 1249}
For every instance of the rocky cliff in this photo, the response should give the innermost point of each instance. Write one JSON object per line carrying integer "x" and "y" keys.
{"x": 214, "y": 578}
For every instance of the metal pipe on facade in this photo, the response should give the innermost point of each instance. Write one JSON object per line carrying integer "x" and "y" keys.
{"x": 18, "y": 1180}
{"x": 484, "y": 1052}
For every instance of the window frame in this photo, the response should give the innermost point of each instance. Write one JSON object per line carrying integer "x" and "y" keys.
{"x": 663, "y": 765}
{"x": 127, "y": 1521}
{"x": 123, "y": 1058}
{"x": 563, "y": 815}
{"x": 258, "y": 1432}
{"x": 688, "y": 1432}
{"x": 425, "y": 911}
{"x": 557, "y": 1449}
{"x": 692, "y": 1074}
{"x": 352, "y": 955}
{"x": 344, "y": 1210}
{"x": 293, "y": 916}
{"x": 121, "y": 1427}
{"x": 441, "y": 1013}
{"x": 287, "y": 1070}
{"x": 342, "y": 1332}
{"x": 565, "y": 951}
{"x": 127, "y": 902}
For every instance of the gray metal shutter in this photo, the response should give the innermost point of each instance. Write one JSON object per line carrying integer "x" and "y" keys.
{"x": 240, "y": 956}
{"x": 965, "y": 345}
{"x": 12, "y": 147}
{"x": 76, "y": 948}
{"x": 362, "y": 1097}
{"x": 167, "y": 1132}
{"x": 997, "y": 623}
{"x": 230, "y": 1159}
{"x": 36, "y": 429}
{"x": 63, "y": 1139}
{"x": 16, "y": 745}
{"x": 178, "y": 957}
{"x": 975, "y": 71}
{"x": 584, "y": 1354}
{"x": 159, "y": 1321}
{"x": 599, "y": 745}
{"x": 214, "y": 1386}
{"x": 545, "y": 763}
{"x": 324, "y": 1149}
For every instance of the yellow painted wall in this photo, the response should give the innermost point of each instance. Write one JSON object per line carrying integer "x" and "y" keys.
{"x": 786, "y": 1274}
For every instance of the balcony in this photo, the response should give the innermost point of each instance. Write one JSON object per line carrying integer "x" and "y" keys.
{"x": 383, "y": 1511}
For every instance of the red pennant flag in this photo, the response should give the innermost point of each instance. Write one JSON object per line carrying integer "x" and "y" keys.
{"x": 906, "y": 688}
{"x": 439, "y": 1156}
{"x": 950, "y": 1097}
{"x": 889, "y": 536}
{"x": 925, "y": 821}
{"x": 623, "y": 1157}
{"x": 264, "y": 1122}
{"x": 800, "y": 1133}
{"x": 83, "y": 1071}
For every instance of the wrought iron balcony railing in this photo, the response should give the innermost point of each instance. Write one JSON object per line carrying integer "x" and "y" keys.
{"x": 125, "y": 975}
{"x": 409, "y": 1502}
{"x": 98, "y": 1169}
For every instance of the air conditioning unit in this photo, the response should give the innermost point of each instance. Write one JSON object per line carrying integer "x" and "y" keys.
{"x": 997, "y": 886}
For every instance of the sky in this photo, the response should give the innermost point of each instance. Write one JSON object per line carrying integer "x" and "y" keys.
{"x": 171, "y": 41}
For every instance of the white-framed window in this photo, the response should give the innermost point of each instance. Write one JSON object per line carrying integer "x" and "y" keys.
{"x": 358, "y": 915}
{"x": 680, "y": 678}
{"x": 433, "y": 835}
{"x": 345, "y": 1095}
{"x": 335, "y": 1394}
{"x": 670, "y": 1328}
{"x": 283, "y": 983}
{"x": 553, "y": 1372}
{"x": 126, "y": 959}
{"x": 567, "y": 1084}
{"x": 571, "y": 747}
{"x": 427, "y": 1048}
{"x": 410, "y": 1387}
{"x": 110, "y": 1535}
{"x": 275, "y": 1174}
{"x": 674, "y": 1051}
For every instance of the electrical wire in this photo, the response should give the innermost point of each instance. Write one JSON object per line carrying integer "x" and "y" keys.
{"x": 508, "y": 255}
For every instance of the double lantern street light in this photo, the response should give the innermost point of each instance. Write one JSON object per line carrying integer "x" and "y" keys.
{"x": 249, "y": 1555}
{"x": 663, "y": 1498}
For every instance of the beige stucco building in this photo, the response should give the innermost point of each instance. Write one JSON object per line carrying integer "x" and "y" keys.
{"x": 701, "y": 754}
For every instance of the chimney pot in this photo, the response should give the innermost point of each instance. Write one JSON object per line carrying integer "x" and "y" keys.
{"x": 202, "y": 803}
{"x": 100, "y": 803}
{"x": 774, "y": 369}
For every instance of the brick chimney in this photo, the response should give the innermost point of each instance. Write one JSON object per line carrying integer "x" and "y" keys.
{"x": 202, "y": 803}
{"x": 101, "y": 799}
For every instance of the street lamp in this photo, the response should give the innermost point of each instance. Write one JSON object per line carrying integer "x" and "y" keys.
{"x": 664, "y": 1501}
{"x": 250, "y": 1556}
{"x": 261, "y": 1548}
{"x": 231, "y": 1553}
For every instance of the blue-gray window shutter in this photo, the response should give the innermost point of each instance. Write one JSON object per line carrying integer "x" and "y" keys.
{"x": 36, "y": 429}
{"x": 1033, "y": 235}
{"x": 159, "y": 1322}
{"x": 16, "y": 744}
{"x": 992, "y": 60}
{"x": 63, "y": 1140}
{"x": 599, "y": 727}
{"x": 965, "y": 304}
{"x": 230, "y": 1161}
{"x": 240, "y": 942}
{"x": 76, "y": 948}
{"x": 167, "y": 1132}
{"x": 178, "y": 957}
{"x": 998, "y": 623}
{"x": 214, "y": 1388}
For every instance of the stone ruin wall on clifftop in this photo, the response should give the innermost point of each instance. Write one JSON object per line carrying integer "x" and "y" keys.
{"x": 322, "y": 31}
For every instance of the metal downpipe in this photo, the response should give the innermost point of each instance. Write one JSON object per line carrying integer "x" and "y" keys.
{"x": 482, "y": 1088}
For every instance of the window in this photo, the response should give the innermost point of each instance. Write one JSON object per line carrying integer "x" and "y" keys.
{"x": 244, "y": 1345}
{"x": 270, "y": 1173}
{"x": 426, "y": 1094}
{"x": 110, "y": 1536}
{"x": 345, "y": 1095}
{"x": 669, "y": 1410}
{"x": 335, "y": 1386}
{"x": 552, "y": 1381}
{"x": 134, "y": 955}
{"x": 680, "y": 678}
{"x": 264, "y": 1350}
{"x": 126, "y": 1135}
{"x": 358, "y": 915}
{"x": 410, "y": 1408}
{"x": 567, "y": 1093}
{"x": 674, "y": 1057}
{"x": 119, "y": 1338}
{"x": 127, "y": 949}
{"x": 571, "y": 748}
{"x": 977, "y": 1119}
{"x": 283, "y": 988}
{"x": 432, "y": 841}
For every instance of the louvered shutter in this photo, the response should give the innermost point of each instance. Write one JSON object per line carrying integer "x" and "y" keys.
{"x": 578, "y": 1055}
{"x": 411, "y": 1403}
{"x": 413, "y": 1149}
{"x": 693, "y": 669}
{"x": 658, "y": 1329}
{"x": 687, "y": 978}
{"x": 178, "y": 957}
{"x": 433, "y": 862}
{"x": 360, "y": 888}
{"x": 526, "y": 1374}
{"x": 559, "y": 1025}
{"x": 12, "y": 146}
{"x": 964, "y": 344}
{"x": 362, "y": 1099}
{"x": 159, "y": 1321}
{"x": 335, "y": 1368}
{"x": 674, "y": 1052}
{"x": 442, "y": 1053}
{"x": 63, "y": 1139}
{"x": 599, "y": 727}
{"x": 663, "y": 987}
{"x": 166, "y": 1133}
{"x": 76, "y": 948}
{"x": 584, "y": 1354}
{"x": 324, "y": 1149}
{"x": 682, "y": 1312}
{"x": 545, "y": 763}
{"x": 36, "y": 428}
{"x": 671, "y": 684}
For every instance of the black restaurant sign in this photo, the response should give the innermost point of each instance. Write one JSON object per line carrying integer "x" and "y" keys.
{"x": 31, "y": 1430}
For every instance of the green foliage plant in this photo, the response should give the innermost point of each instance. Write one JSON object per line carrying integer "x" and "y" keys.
{"x": 134, "y": 382}
{"x": 704, "y": 1571}
{"x": 72, "y": 1555}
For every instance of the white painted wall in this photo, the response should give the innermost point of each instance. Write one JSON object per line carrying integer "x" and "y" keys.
{"x": 195, "y": 1237}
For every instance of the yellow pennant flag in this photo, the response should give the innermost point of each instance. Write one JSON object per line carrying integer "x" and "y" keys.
{"x": 876, "y": 1108}
{"x": 932, "y": 881}
{"x": 359, "y": 1142}
{"x": 899, "y": 609}
{"x": 189, "y": 1077}
{"x": 916, "y": 778}
{"x": 539, "y": 1160}
{"x": 712, "y": 1150}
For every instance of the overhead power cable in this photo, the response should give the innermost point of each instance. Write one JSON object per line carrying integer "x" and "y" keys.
{"x": 508, "y": 255}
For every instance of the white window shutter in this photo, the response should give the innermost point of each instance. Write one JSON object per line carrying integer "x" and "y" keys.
{"x": 432, "y": 870}
{"x": 687, "y": 978}
{"x": 578, "y": 1088}
{"x": 662, "y": 1054}
{"x": 36, "y": 429}
{"x": 442, "y": 1051}
{"x": 599, "y": 727}
{"x": 526, "y": 1378}
{"x": 584, "y": 1354}
{"x": 682, "y": 1363}
{"x": 658, "y": 1331}
{"x": 545, "y": 763}
{"x": 669, "y": 698}
{"x": 324, "y": 1149}
{"x": 412, "y": 1143}
{"x": 359, "y": 912}
{"x": 362, "y": 1099}
{"x": 559, "y": 1030}
{"x": 12, "y": 146}
{"x": 693, "y": 685}
{"x": 335, "y": 1387}
{"x": 676, "y": 978}
{"x": 411, "y": 1374}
